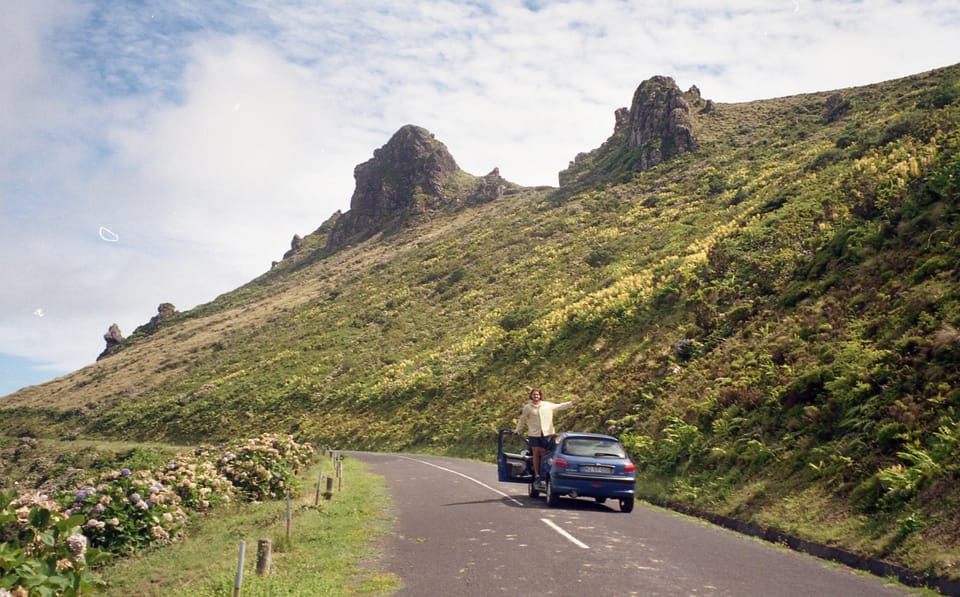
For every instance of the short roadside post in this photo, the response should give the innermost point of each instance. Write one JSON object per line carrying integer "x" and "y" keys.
{"x": 264, "y": 556}
{"x": 316, "y": 499}
{"x": 289, "y": 516}
{"x": 238, "y": 582}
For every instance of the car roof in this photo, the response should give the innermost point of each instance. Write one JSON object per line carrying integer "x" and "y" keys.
{"x": 586, "y": 435}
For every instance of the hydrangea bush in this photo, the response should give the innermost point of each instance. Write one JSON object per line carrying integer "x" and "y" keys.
{"x": 196, "y": 480}
{"x": 266, "y": 467}
{"x": 43, "y": 551}
{"x": 126, "y": 511}
{"x": 48, "y": 546}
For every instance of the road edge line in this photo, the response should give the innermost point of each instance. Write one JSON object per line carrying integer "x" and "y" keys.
{"x": 477, "y": 481}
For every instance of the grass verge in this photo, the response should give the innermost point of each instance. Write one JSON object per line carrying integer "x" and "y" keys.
{"x": 330, "y": 550}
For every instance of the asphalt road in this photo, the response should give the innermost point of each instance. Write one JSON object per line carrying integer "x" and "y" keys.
{"x": 460, "y": 532}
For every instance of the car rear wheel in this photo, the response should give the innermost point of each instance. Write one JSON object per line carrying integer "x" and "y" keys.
{"x": 626, "y": 505}
{"x": 552, "y": 498}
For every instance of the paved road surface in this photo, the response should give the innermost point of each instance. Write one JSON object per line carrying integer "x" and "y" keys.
{"x": 460, "y": 532}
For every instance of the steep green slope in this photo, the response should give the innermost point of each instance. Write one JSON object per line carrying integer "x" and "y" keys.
{"x": 770, "y": 322}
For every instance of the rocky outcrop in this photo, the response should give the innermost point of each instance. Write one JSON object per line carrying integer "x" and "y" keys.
{"x": 489, "y": 188}
{"x": 164, "y": 311}
{"x": 659, "y": 124}
{"x": 655, "y": 128}
{"x": 409, "y": 178}
{"x": 834, "y": 108}
{"x": 404, "y": 179}
{"x": 114, "y": 339}
{"x": 295, "y": 243}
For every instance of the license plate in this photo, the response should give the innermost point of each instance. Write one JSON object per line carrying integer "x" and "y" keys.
{"x": 593, "y": 468}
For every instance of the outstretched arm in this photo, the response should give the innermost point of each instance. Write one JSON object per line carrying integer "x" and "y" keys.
{"x": 568, "y": 404}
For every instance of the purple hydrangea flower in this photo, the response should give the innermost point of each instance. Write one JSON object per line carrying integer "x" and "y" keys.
{"x": 125, "y": 472}
{"x": 77, "y": 544}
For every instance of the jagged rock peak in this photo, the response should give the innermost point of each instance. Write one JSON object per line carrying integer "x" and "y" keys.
{"x": 656, "y": 127}
{"x": 114, "y": 339}
{"x": 405, "y": 178}
{"x": 164, "y": 311}
{"x": 295, "y": 243}
{"x": 659, "y": 122}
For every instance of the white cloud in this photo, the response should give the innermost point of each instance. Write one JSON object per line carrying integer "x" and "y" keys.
{"x": 204, "y": 135}
{"x": 255, "y": 145}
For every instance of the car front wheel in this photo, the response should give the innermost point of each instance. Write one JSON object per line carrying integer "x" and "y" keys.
{"x": 626, "y": 505}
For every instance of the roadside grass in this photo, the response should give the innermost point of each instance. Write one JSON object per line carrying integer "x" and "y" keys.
{"x": 330, "y": 552}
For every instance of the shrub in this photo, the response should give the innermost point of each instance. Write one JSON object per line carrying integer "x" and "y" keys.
{"x": 265, "y": 467}
{"x": 687, "y": 349}
{"x": 198, "y": 483}
{"x": 126, "y": 511}
{"x": 600, "y": 256}
{"x": 638, "y": 446}
{"x": 42, "y": 550}
{"x": 518, "y": 318}
{"x": 44, "y": 542}
{"x": 680, "y": 445}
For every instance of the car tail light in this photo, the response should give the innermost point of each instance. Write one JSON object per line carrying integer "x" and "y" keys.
{"x": 629, "y": 467}
{"x": 560, "y": 462}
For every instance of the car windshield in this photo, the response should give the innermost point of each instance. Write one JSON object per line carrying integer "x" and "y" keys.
{"x": 598, "y": 448}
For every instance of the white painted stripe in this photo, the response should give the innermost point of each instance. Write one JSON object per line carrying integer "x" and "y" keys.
{"x": 569, "y": 537}
{"x": 478, "y": 482}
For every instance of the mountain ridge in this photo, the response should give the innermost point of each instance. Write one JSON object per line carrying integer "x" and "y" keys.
{"x": 766, "y": 321}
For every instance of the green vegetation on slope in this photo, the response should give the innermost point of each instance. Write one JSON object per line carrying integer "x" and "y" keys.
{"x": 769, "y": 322}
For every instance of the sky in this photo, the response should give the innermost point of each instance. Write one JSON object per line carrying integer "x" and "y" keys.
{"x": 159, "y": 151}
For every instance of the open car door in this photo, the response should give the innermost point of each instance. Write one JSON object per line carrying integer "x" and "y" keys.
{"x": 514, "y": 462}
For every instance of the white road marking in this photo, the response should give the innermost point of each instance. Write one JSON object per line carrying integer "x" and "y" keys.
{"x": 569, "y": 537}
{"x": 478, "y": 482}
{"x": 549, "y": 522}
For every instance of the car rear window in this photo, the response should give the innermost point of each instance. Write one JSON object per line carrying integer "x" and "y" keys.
{"x": 597, "y": 448}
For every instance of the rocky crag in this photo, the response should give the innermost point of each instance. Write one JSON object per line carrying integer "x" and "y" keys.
{"x": 115, "y": 340}
{"x": 656, "y": 127}
{"x": 406, "y": 180}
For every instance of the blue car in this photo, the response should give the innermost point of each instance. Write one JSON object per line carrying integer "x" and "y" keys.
{"x": 589, "y": 465}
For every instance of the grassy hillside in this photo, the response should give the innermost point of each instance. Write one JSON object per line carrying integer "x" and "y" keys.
{"x": 770, "y": 323}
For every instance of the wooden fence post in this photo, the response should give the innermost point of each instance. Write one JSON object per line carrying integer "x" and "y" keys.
{"x": 316, "y": 499}
{"x": 264, "y": 556}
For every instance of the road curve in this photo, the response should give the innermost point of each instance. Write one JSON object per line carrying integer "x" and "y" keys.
{"x": 460, "y": 532}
